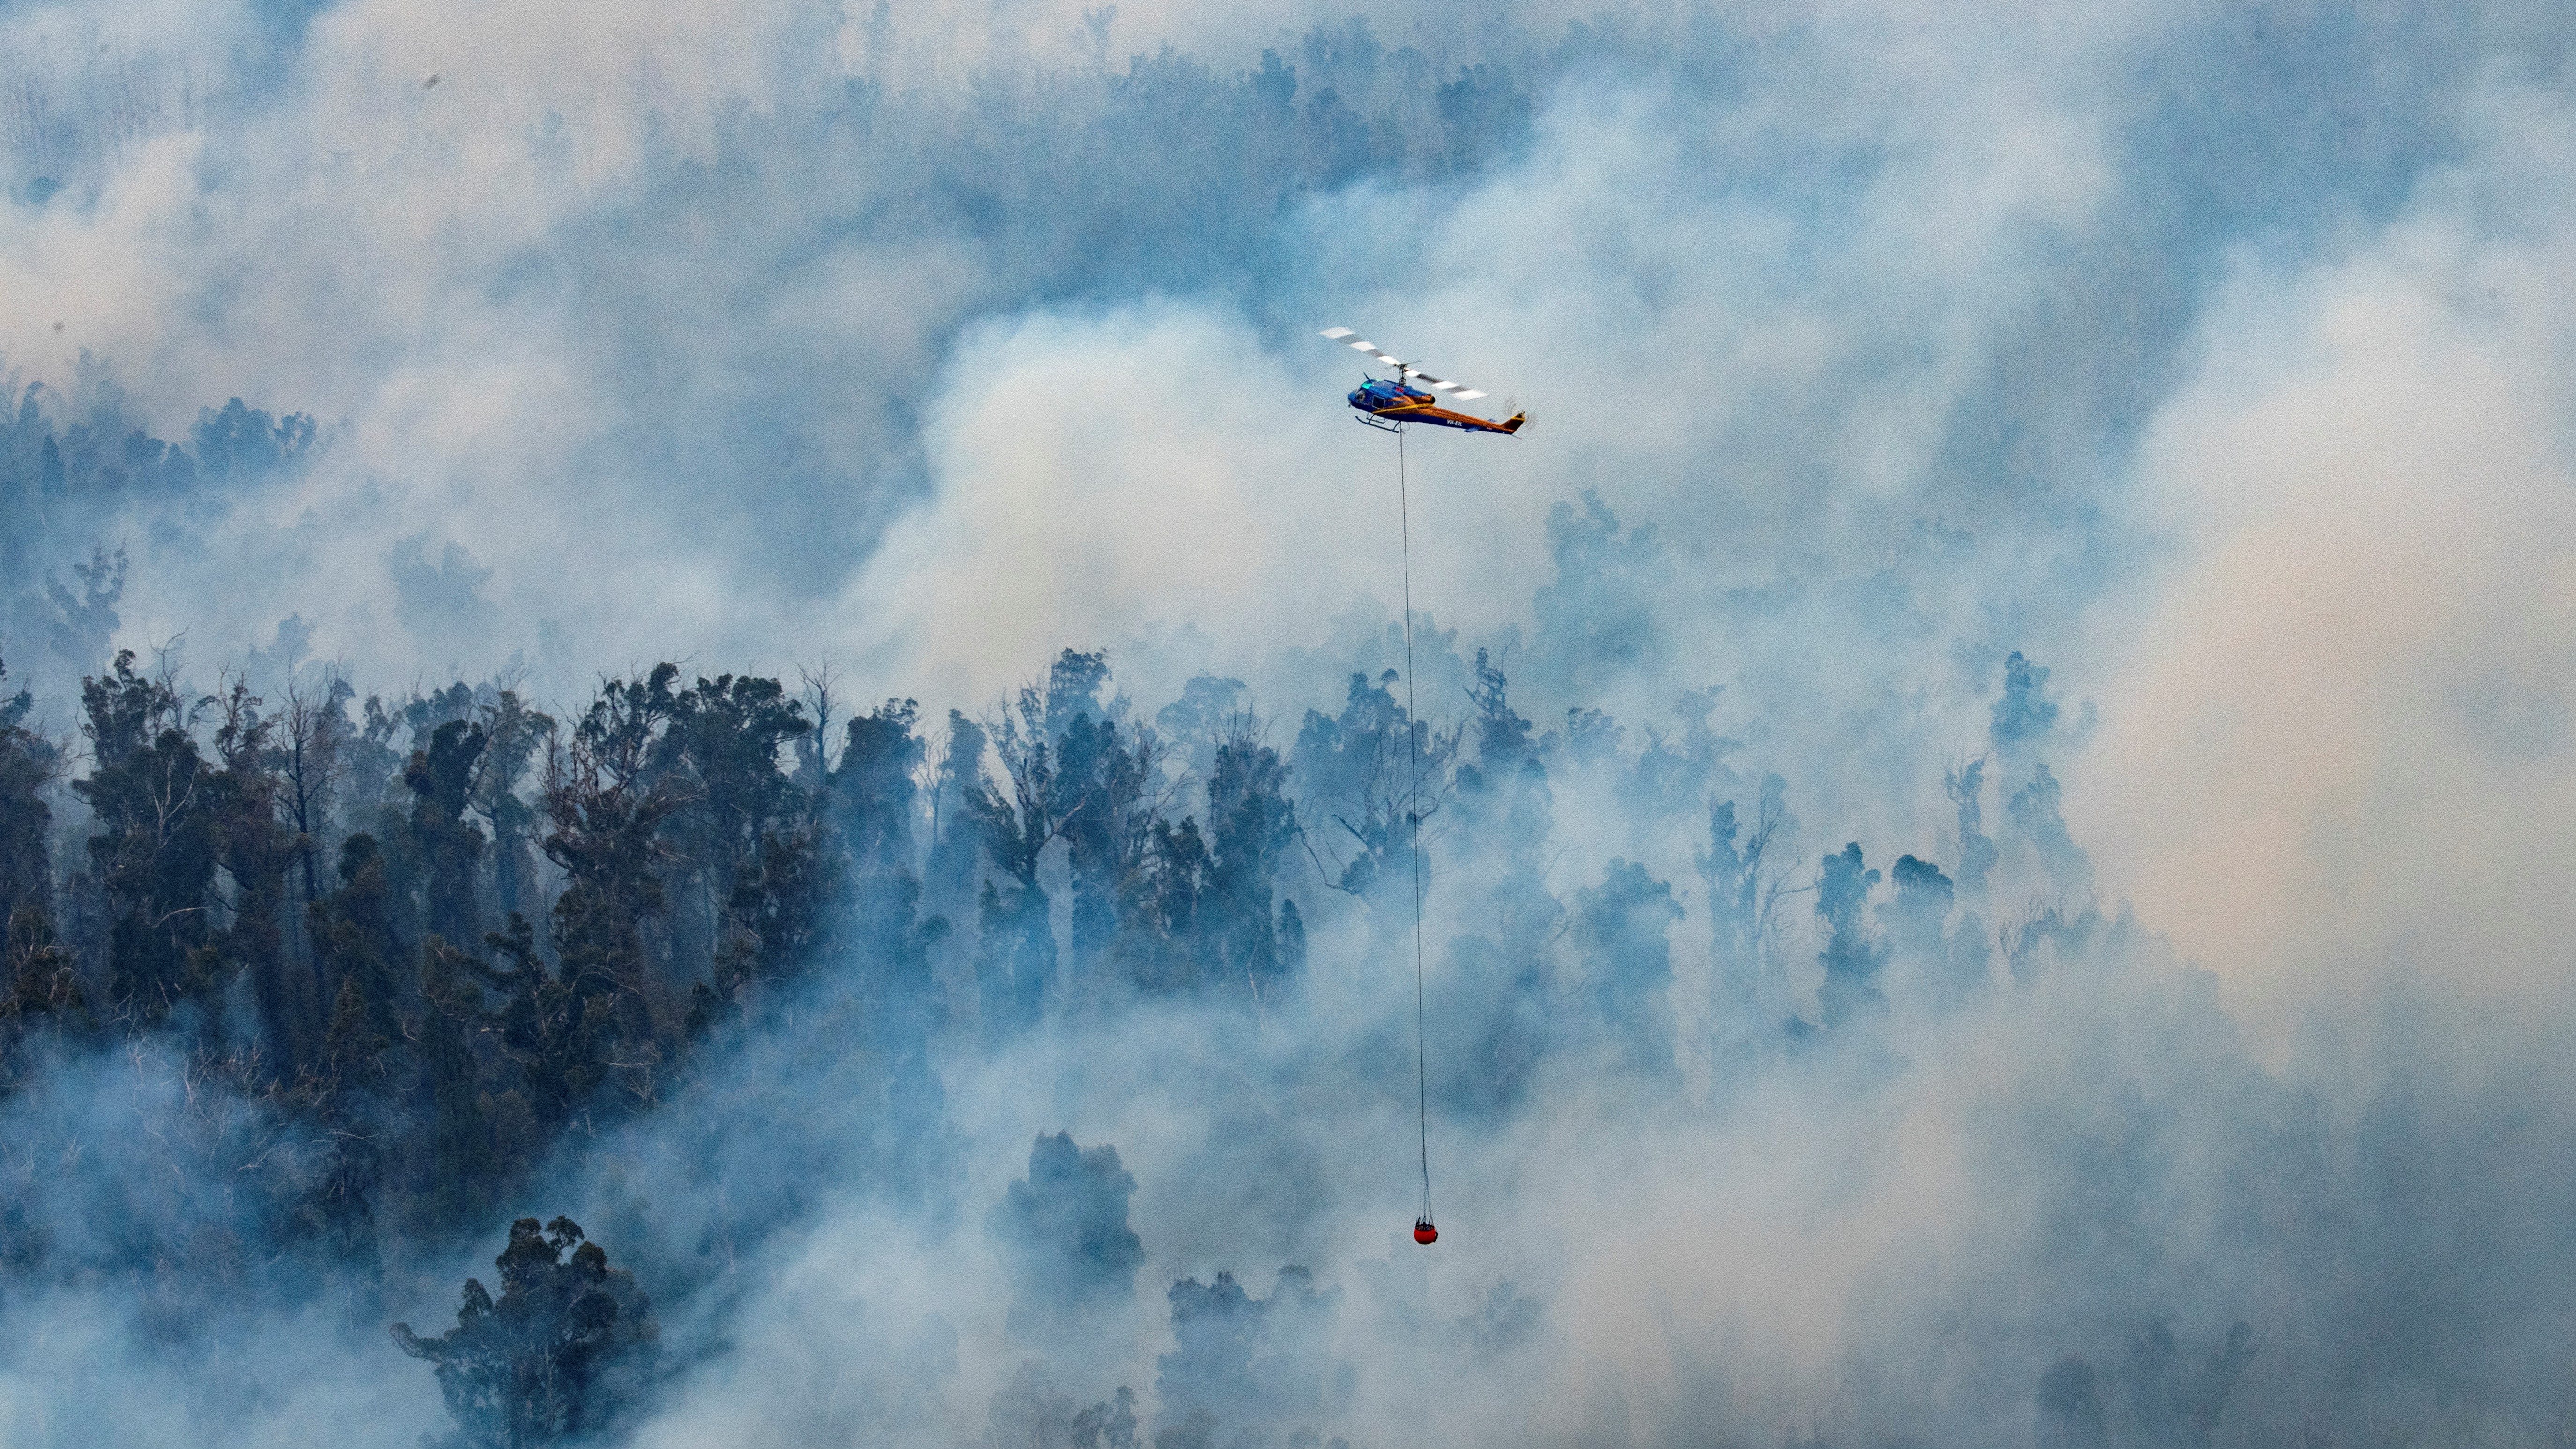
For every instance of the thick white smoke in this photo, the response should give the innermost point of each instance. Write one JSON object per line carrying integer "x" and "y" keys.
{"x": 2335, "y": 741}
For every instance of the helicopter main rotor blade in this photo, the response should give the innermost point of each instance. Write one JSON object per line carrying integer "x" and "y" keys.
{"x": 1403, "y": 369}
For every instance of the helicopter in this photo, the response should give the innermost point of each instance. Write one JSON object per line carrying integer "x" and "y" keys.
{"x": 1391, "y": 404}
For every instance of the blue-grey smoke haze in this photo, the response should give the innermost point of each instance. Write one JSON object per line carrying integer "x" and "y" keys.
{"x": 2159, "y": 414}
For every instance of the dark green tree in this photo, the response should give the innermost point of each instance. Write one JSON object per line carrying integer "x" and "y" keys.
{"x": 1670, "y": 779}
{"x": 1596, "y": 620}
{"x": 1103, "y": 809}
{"x": 1064, "y": 1236}
{"x": 786, "y": 910}
{"x": 955, "y": 836}
{"x": 1852, "y": 953}
{"x": 1502, "y": 736}
{"x": 368, "y": 763}
{"x": 257, "y": 849}
{"x": 152, "y": 794}
{"x": 1216, "y": 1330}
{"x": 28, "y": 762}
{"x": 1620, "y": 928}
{"x": 1016, "y": 965}
{"x": 1372, "y": 774}
{"x": 872, "y": 786}
{"x": 561, "y": 1355}
{"x": 346, "y": 1091}
{"x": 458, "y": 1165}
{"x": 39, "y": 985}
{"x": 1913, "y": 921}
{"x": 1074, "y": 682}
{"x": 2023, "y": 714}
{"x": 39, "y": 988}
{"x": 1965, "y": 785}
{"x": 356, "y": 1082}
{"x": 717, "y": 757}
{"x": 1242, "y": 1360}
{"x": 556, "y": 1029}
{"x": 1732, "y": 868}
{"x": 85, "y": 623}
{"x": 1169, "y": 944}
{"x": 2034, "y": 811}
{"x": 356, "y": 943}
{"x": 1950, "y": 960}
{"x": 514, "y": 735}
{"x": 1252, "y": 823}
{"x": 311, "y": 729}
{"x": 606, "y": 803}
{"x": 1109, "y": 1424}
{"x": 873, "y": 799}
{"x": 448, "y": 846}
{"x": 1209, "y": 711}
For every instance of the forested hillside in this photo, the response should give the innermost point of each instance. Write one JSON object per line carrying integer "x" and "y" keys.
{"x": 310, "y": 990}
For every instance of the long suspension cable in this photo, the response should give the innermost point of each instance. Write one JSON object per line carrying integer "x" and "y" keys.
{"x": 1413, "y": 822}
